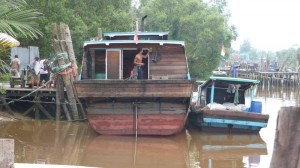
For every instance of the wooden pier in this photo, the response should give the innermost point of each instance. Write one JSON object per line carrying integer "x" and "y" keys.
{"x": 36, "y": 103}
{"x": 290, "y": 79}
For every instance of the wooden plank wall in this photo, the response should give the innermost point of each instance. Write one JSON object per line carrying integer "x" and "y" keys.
{"x": 128, "y": 108}
{"x": 172, "y": 63}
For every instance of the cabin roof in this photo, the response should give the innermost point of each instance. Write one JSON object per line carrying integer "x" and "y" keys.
{"x": 113, "y": 34}
{"x": 234, "y": 80}
{"x": 223, "y": 82}
{"x": 108, "y": 42}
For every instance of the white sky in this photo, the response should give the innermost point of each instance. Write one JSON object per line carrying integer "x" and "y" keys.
{"x": 269, "y": 25}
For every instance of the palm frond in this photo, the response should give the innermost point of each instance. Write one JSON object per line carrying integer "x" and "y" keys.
{"x": 16, "y": 19}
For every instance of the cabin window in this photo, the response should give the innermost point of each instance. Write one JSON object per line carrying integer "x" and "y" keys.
{"x": 100, "y": 64}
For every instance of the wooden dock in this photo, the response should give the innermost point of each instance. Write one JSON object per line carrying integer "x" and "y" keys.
{"x": 29, "y": 101}
{"x": 290, "y": 79}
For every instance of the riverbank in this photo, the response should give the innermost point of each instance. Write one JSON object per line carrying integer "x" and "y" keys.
{"x": 5, "y": 117}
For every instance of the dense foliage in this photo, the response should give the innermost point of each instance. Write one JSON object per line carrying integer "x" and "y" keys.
{"x": 203, "y": 26}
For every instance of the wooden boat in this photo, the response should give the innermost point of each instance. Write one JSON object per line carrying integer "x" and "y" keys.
{"x": 227, "y": 110}
{"x": 118, "y": 105}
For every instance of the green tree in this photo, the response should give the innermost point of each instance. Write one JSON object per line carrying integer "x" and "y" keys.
{"x": 83, "y": 18}
{"x": 202, "y": 26}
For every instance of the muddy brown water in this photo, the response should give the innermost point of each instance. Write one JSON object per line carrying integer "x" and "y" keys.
{"x": 70, "y": 143}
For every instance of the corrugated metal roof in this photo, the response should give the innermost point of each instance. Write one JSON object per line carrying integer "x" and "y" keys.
{"x": 108, "y": 42}
{"x": 113, "y": 34}
{"x": 230, "y": 79}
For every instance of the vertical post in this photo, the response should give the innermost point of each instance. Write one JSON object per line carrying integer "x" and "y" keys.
{"x": 212, "y": 93}
{"x": 286, "y": 151}
{"x": 66, "y": 35}
{"x": 60, "y": 97}
{"x": 67, "y": 82}
{"x": 37, "y": 110}
{"x": 7, "y": 153}
{"x": 251, "y": 93}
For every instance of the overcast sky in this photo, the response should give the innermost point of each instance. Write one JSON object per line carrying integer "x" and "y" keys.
{"x": 270, "y": 25}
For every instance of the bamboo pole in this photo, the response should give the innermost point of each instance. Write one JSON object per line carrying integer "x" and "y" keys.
{"x": 286, "y": 151}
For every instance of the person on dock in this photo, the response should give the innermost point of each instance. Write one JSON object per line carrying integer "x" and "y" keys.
{"x": 44, "y": 72}
{"x": 15, "y": 66}
{"x": 35, "y": 72}
{"x": 138, "y": 63}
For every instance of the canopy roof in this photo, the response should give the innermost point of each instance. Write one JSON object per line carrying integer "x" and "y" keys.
{"x": 108, "y": 42}
{"x": 234, "y": 80}
{"x": 113, "y": 34}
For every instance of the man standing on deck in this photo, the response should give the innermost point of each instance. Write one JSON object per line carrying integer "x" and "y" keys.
{"x": 138, "y": 63}
{"x": 15, "y": 67}
{"x": 44, "y": 72}
{"x": 35, "y": 72}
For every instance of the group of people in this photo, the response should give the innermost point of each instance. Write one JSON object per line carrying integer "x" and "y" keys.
{"x": 39, "y": 71}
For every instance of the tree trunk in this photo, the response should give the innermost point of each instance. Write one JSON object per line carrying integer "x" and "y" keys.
{"x": 286, "y": 151}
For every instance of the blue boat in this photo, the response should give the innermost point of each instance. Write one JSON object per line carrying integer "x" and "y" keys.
{"x": 221, "y": 106}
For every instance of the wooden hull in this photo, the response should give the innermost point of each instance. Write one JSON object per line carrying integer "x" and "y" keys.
{"x": 147, "y": 124}
{"x": 229, "y": 121}
{"x": 133, "y": 88}
{"x": 136, "y": 107}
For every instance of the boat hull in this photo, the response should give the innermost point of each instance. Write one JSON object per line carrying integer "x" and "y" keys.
{"x": 146, "y": 124}
{"x": 229, "y": 121}
{"x": 136, "y": 107}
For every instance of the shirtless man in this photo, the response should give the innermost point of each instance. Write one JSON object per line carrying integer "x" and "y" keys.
{"x": 138, "y": 62}
{"x": 15, "y": 67}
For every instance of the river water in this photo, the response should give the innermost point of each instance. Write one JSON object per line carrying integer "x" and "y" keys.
{"x": 71, "y": 143}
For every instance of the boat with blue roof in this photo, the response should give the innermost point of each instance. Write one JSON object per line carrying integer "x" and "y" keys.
{"x": 221, "y": 106}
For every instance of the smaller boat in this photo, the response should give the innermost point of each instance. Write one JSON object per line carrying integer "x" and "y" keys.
{"x": 221, "y": 106}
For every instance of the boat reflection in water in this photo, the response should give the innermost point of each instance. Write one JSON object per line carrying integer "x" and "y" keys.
{"x": 227, "y": 151}
{"x": 143, "y": 152}
{"x": 65, "y": 143}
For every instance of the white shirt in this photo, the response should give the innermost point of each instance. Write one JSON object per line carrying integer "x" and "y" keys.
{"x": 42, "y": 70}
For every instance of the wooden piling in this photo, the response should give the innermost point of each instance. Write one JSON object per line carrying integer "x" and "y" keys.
{"x": 286, "y": 151}
{"x": 66, "y": 35}
{"x": 7, "y": 153}
{"x": 64, "y": 44}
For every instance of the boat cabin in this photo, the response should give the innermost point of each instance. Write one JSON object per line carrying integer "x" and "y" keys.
{"x": 113, "y": 57}
{"x": 223, "y": 89}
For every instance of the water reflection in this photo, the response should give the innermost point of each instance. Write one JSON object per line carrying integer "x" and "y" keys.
{"x": 47, "y": 141}
{"x": 77, "y": 144}
{"x": 224, "y": 150}
{"x": 285, "y": 93}
{"x": 143, "y": 152}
